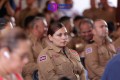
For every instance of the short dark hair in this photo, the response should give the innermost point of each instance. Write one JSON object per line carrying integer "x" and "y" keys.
{"x": 36, "y": 19}
{"x": 78, "y": 18}
{"x": 11, "y": 39}
{"x": 86, "y": 20}
{"x": 40, "y": 15}
{"x": 27, "y": 21}
{"x": 64, "y": 19}
{"x": 54, "y": 27}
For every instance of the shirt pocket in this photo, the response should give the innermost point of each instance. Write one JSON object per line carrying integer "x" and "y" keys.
{"x": 62, "y": 64}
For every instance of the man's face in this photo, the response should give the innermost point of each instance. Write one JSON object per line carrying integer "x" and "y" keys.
{"x": 86, "y": 32}
{"x": 40, "y": 28}
{"x": 101, "y": 28}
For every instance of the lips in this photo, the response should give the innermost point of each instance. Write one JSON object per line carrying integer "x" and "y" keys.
{"x": 64, "y": 42}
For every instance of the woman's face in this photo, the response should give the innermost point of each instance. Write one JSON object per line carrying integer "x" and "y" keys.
{"x": 60, "y": 37}
{"x": 19, "y": 55}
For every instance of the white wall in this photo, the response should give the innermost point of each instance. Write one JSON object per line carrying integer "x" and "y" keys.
{"x": 81, "y": 5}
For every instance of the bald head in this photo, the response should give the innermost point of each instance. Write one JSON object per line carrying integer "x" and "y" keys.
{"x": 98, "y": 22}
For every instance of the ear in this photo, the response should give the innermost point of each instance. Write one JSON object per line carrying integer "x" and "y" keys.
{"x": 50, "y": 38}
{"x": 5, "y": 52}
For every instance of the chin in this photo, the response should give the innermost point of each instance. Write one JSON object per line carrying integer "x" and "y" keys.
{"x": 62, "y": 45}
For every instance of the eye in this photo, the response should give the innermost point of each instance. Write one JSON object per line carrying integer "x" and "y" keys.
{"x": 66, "y": 34}
{"x": 59, "y": 34}
{"x": 106, "y": 26}
{"x": 24, "y": 56}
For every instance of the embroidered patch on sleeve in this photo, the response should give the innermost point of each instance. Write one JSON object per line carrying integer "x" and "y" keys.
{"x": 73, "y": 51}
{"x": 88, "y": 50}
{"x": 118, "y": 50}
{"x": 43, "y": 58}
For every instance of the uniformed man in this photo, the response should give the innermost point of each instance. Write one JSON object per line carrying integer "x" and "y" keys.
{"x": 100, "y": 52}
{"x": 86, "y": 35}
{"x": 90, "y": 13}
{"x": 30, "y": 10}
{"x": 36, "y": 36}
{"x": 105, "y": 11}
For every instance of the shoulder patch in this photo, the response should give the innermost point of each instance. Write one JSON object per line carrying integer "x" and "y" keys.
{"x": 118, "y": 50}
{"x": 73, "y": 51}
{"x": 88, "y": 50}
{"x": 43, "y": 58}
{"x": 75, "y": 54}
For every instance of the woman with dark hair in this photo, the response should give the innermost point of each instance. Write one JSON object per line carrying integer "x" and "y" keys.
{"x": 14, "y": 48}
{"x": 56, "y": 60}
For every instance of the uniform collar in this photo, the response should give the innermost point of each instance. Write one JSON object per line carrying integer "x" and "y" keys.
{"x": 102, "y": 42}
{"x": 55, "y": 48}
{"x": 98, "y": 41}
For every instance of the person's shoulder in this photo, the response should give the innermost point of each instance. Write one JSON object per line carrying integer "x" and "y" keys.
{"x": 73, "y": 51}
{"x": 74, "y": 54}
{"x": 44, "y": 61}
{"x": 90, "y": 48}
{"x": 44, "y": 51}
{"x": 117, "y": 40}
{"x": 43, "y": 56}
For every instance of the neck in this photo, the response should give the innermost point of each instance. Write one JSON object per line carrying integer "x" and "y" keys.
{"x": 100, "y": 40}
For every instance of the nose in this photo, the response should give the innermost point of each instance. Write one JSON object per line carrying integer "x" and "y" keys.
{"x": 87, "y": 33}
{"x": 25, "y": 61}
{"x": 105, "y": 29}
{"x": 64, "y": 37}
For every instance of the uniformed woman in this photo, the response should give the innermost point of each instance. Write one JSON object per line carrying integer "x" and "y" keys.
{"x": 57, "y": 61}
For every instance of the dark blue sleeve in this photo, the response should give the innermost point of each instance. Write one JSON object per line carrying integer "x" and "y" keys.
{"x": 112, "y": 71}
{"x": 12, "y": 3}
